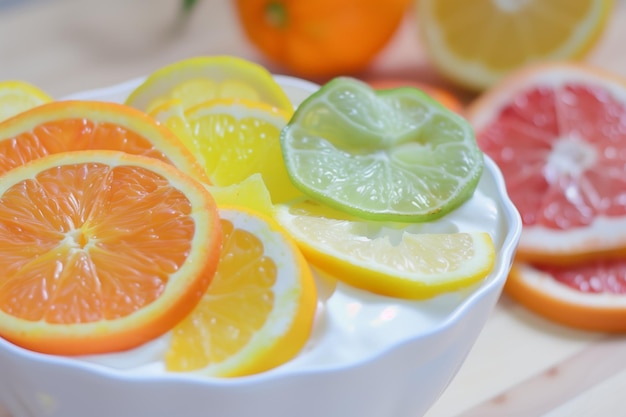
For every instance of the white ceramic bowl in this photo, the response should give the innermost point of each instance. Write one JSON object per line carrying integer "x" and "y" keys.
{"x": 383, "y": 358}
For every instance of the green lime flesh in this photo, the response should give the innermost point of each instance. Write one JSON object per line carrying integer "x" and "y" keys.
{"x": 387, "y": 155}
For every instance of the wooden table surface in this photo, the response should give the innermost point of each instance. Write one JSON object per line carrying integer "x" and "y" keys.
{"x": 521, "y": 365}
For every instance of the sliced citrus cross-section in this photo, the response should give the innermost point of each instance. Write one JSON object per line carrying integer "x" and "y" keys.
{"x": 233, "y": 138}
{"x": 202, "y": 78}
{"x": 589, "y": 297}
{"x": 80, "y": 125}
{"x": 259, "y": 310}
{"x": 558, "y": 134}
{"x": 391, "y": 155}
{"x": 17, "y": 96}
{"x": 389, "y": 259}
{"x": 101, "y": 251}
{"x": 475, "y": 43}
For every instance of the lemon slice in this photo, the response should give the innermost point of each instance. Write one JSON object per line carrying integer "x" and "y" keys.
{"x": 475, "y": 43}
{"x": 17, "y": 96}
{"x": 198, "y": 79}
{"x": 233, "y": 138}
{"x": 385, "y": 258}
{"x": 390, "y": 155}
{"x": 259, "y": 310}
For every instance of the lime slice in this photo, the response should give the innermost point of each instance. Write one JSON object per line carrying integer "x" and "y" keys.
{"x": 389, "y": 155}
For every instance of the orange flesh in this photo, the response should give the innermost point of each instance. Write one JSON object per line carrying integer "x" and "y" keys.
{"x": 70, "y": 135}
{"x": 230, "y": 311}
{"x": 92, "y": 244}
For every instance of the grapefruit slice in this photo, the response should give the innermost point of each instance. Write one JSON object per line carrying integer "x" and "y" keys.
{"x": 558, "y": 133}
{"x": 588, "y": 297}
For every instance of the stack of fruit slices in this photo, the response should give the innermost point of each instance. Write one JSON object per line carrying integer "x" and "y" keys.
{"x": 120, "y": 223}
{"x": 111, "y": 237}
{"x": 373, "y": 165}
{"x": 558, "y": 133}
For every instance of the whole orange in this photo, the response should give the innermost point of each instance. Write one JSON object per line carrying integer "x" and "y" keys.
{"x": 321, "y": 38}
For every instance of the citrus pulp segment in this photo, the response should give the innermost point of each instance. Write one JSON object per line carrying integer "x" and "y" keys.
{"x": 385, "y": 258}
{"x": 588, "y": 296}
{"x": 250, "y": 193}
{"x": 79, "y": 125}
{"x": 394, "y": 155}
{"x": 233, "y": 139}
{"x": 558, "y": 135}
{"x": 101, "y": 251}
{"x": 475, "y": 43}
{"x": 17, "y": 96}
{"x": 259, "y": 310}
{"x": 202, "y": 78}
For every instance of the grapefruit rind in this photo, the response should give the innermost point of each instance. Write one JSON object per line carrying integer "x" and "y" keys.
{"x": 541, "y": 293}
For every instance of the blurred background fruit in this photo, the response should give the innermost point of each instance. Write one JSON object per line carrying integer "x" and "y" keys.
{"x": 321, "y": 38}
{"x": 475, "y": 43}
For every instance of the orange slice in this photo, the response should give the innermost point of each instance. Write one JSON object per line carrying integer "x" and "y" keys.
{"x": 80, "y": 125}
{"x": 202, "y": 78}
{"x": 259, "y": 310}
{"x": 476, "y": 43}
{"x": 17, "y": 96}
{"x": 392, "y": 259}
{"x": 101, "y": 251}
{"x": 588, "y": 297}
{"x": 558, "y": 134}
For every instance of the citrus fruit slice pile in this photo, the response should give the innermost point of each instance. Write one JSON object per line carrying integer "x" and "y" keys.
{"x": 373, "y": 164}
{"x": 110, "y": 236}
{"x": 17, "y": 96}
{"x": 558, "y": 134}
{"x": 477, "y": 43}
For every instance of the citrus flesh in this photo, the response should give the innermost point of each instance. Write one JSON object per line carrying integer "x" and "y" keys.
{"x": 81, "y": 125}
{"x": 202, "y": 78}
{"x": 250, "y": 193}
{"x": 233, "y": 139}
{"x": 259, "y": 310}
{"x": 391, "y": 155}
{"x": 557, "y": 133}
{"x": 588, "y": 297}
{"x": 389, "y": 259}
{"x": 17, "y": 96}
{"x": 101, "y": 251}
{"x": 477, "y": 43}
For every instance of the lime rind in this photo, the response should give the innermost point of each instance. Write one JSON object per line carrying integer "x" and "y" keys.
{"x": 390, "y": 155}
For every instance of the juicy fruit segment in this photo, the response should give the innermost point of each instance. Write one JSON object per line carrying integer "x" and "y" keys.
{"x": 588, "y": 297}
{"x": 259, "y": 310}
{"x": 80, "y": 125}
{"x": 233, "y": 139}
{"x": 18, "y": 96}
{"x": 251, "y": 193}
{"x": 101, "y": 251}
{"x": 394, "y": 155}
{"x": 389, "y": 259}
{"x": 195, "y": 80}
{"x": 477, "y": 43}
{"x": 557, "y": 133}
